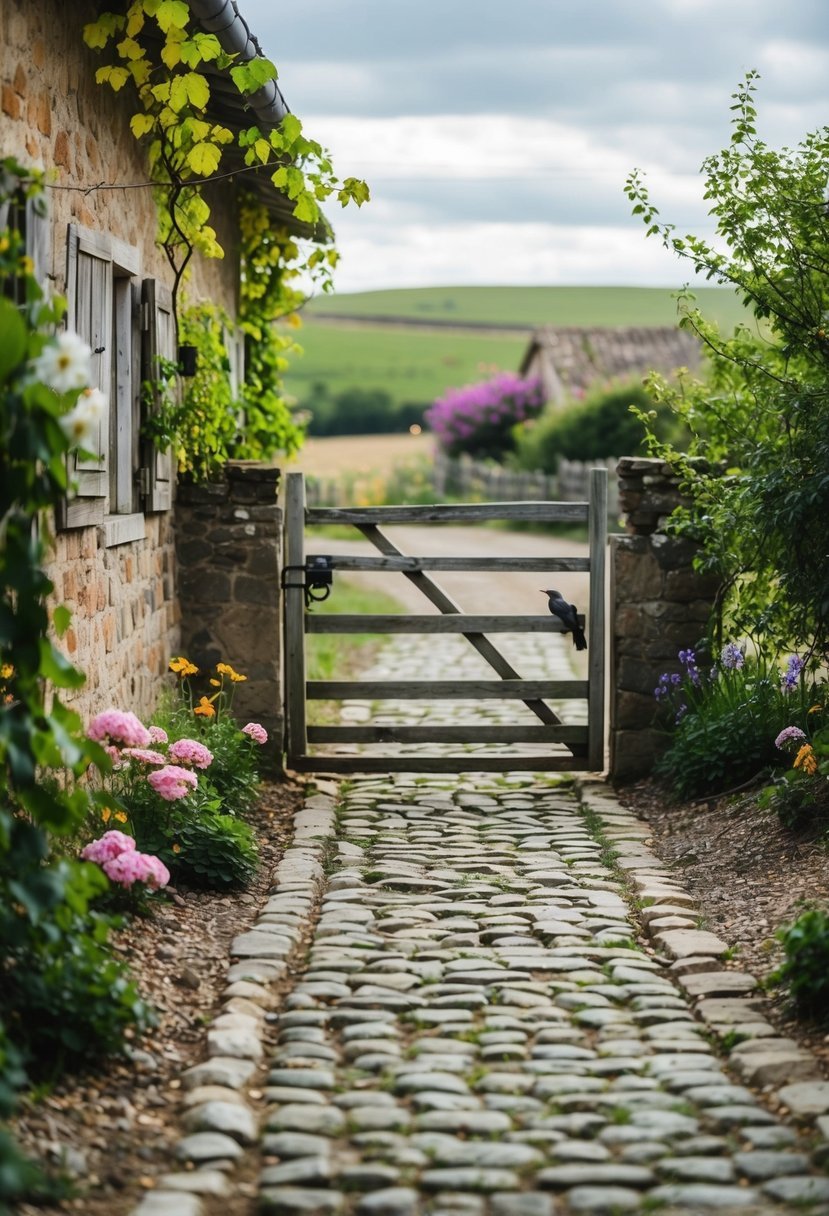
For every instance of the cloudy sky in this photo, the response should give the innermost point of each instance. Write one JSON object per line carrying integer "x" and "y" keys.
{"x": 496, "y": 135}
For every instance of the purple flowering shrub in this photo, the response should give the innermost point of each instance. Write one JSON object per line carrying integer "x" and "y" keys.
{"x": 479, "y": 419}
{"x": 724, "y": 718}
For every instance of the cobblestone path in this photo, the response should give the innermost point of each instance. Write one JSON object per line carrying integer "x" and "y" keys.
{"x": 501, "y": 1005}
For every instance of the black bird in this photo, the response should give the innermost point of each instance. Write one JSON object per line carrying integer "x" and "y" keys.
{"x": 567, "y": 613}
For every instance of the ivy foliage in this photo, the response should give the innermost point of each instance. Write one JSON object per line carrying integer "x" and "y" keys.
{"x": 154, "y": 47}
{"x": 63, "y": 997}
{"x": 760, "y": 420}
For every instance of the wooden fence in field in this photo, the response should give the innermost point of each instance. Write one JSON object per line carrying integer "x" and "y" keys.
{"x": 477, "y": 480}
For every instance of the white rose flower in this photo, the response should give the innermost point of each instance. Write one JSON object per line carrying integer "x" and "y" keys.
{"x": 64, "y": 364}
{"x": 80, "y": 422}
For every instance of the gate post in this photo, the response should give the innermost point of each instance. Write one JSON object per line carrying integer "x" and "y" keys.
{"x": 659, "y": 605}
{"x": 228, "y": 536}
{"x": 296, "y": 738}
{"x": 596, "y": 619}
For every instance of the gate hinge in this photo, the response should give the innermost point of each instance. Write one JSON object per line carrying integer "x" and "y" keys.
{"x": 319, "y": 578}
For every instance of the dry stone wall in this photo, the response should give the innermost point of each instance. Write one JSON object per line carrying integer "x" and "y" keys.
{"x": 659, "y": 605}
{"x": 124, "y": 615}
{"x": 228, "y": 538}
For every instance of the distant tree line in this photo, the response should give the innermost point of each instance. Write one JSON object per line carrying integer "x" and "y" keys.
{"x": 359, "y": 411}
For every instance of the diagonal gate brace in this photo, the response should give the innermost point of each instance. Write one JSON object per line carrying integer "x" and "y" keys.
{"x": 447, "y": 605}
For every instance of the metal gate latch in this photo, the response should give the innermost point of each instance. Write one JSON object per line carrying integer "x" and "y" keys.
{"x": 319, "y": 578}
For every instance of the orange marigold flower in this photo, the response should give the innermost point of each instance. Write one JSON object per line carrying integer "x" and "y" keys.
{"x": 183, "y": 667}
{"x": 806, "y": 760}
{"x": 205, "y": 708}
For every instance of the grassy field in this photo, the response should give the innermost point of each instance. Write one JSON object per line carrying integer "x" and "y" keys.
{"x": 410, "y": 364}
{"x": 531, "y": 306}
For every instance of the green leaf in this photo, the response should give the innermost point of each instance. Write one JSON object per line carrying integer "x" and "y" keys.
{"x": 61, "y": 619}
{"x": 13, "y": 338}
{"x": 141, "y": 124}
{"x": 250, "y": 76}
{"x": 204, "y": 159}
{"x": 197, "y": 88}
{"x": 306, "y": 209}
{"x": 172, "y": 13}
{"x": 291, "y": 128}
{"x": 56, "y": 667}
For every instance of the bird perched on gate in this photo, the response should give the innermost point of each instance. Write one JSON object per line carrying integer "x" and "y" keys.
{"x": 568, "y": 614}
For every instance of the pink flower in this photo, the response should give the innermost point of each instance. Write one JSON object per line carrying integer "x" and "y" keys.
{"x": 158, "y": 735}
{"x": 119, "y": 726}
{"x": 172, "y": 782}
{"x": 256, "y": 732}
{"x": 111, "y": 845}
{"x": 115, "y": 756}
{"x": 145, "y": 755}
{"x": 130, "y": 868}
{"x": 191, "y": 753}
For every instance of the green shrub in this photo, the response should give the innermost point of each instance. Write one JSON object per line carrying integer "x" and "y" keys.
{"x": 599, "y": 426}
{"x": 724, "y": 721}
{"x": 210, "y": 851}
{"x": 805, "y": 969}
{"x": 360, "y": 411}
{"x": 64, "y": 999}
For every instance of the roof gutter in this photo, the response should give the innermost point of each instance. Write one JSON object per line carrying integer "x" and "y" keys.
{"x": 222, "y": 18}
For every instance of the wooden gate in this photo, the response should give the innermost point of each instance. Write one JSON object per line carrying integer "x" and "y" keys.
{"x": 572, "y": 747}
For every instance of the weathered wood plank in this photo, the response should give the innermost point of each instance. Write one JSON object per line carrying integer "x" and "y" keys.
{"x": 435, "y": 593}
{"x": 463, "y": 763}
{"x": 294, "y": 600}
{"x": 527, "y": 565}
{"x": 597, "y": 528}
{"x": 453, "y": 690}
{"x": 347, "y": 622}
{"x": 541, "y": 512}
{"x": 448, "y": 734}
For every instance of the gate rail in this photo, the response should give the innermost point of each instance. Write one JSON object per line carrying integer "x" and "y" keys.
{"x": 584, "y": 744}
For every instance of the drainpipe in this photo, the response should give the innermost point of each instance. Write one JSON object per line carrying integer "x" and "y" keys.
{"x": 222, "y": 18}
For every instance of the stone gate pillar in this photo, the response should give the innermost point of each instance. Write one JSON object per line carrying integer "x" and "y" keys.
{"x": 228, "y": 538}
{"x": 658, "y": 605}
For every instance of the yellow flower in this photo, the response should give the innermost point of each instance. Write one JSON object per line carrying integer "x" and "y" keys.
{"x": 176, "y": 848}
{"x": 6, "y": 671}
{"x": 119, "y": 817}
{"x": 106, "y": 814}
{"x": 216, "y": 683}
{"x": 237, "y": 679}
{"x": 183, "y": 667}
{"x": 816, "y": 709}
{"x": 805, "y": 759}
{"x": 205, "y": 708}
{"x": 224, "y": 669}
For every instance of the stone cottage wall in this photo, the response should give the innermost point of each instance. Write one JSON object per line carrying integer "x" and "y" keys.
{"x": 659, "y": 605}
{"x": 54, "y": 116}
{"x": 228, "y": 539}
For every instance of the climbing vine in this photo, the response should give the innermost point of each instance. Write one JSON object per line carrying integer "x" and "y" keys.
{"x": 154, "y": 47}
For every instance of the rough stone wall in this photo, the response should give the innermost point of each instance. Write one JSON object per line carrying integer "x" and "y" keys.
{"x": 124, "y": 615}
{"x": 569, "y": 361}
{"x": 659, "y": 605}
{"x": 228, "y": 537}
{"x": 54, "y": 116}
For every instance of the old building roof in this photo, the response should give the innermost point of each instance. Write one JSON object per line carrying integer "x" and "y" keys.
{"x": 570, "y": 360}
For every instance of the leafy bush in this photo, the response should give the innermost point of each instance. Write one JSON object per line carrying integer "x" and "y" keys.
{"x": 801, "y": 796}
{"x": 360, "y": 411}
{"x": 64, "y": 999}
{"x": 805, "y": 969}
{"x": 480, "y": 419}
{"x": 206, "y": 850}
{"x": 760, "y": 500}
{"x": 724, "y": 720}
{"x": 599, "y": 426}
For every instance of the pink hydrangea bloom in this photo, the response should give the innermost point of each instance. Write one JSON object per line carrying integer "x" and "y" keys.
{"x": 256, "y": 732}
{"x": 115, "y": 756}
{"x": 145, "y": 755}
{"x": 119, "y": 726}
{"x": 158, "y": 735}
{"x": 111, "y": 845}
{"x": 172, "y": 782}
{"x": 130, "y": 868}
{"x": 191, "y": 753}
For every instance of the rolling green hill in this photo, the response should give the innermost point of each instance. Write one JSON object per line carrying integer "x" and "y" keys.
{"x": 529, "y": 306}
{"x": 412, "y": 344}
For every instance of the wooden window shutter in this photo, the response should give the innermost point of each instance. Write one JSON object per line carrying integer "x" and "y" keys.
{"x": 158, "y": 473}
{"x": 89, "y": 314}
